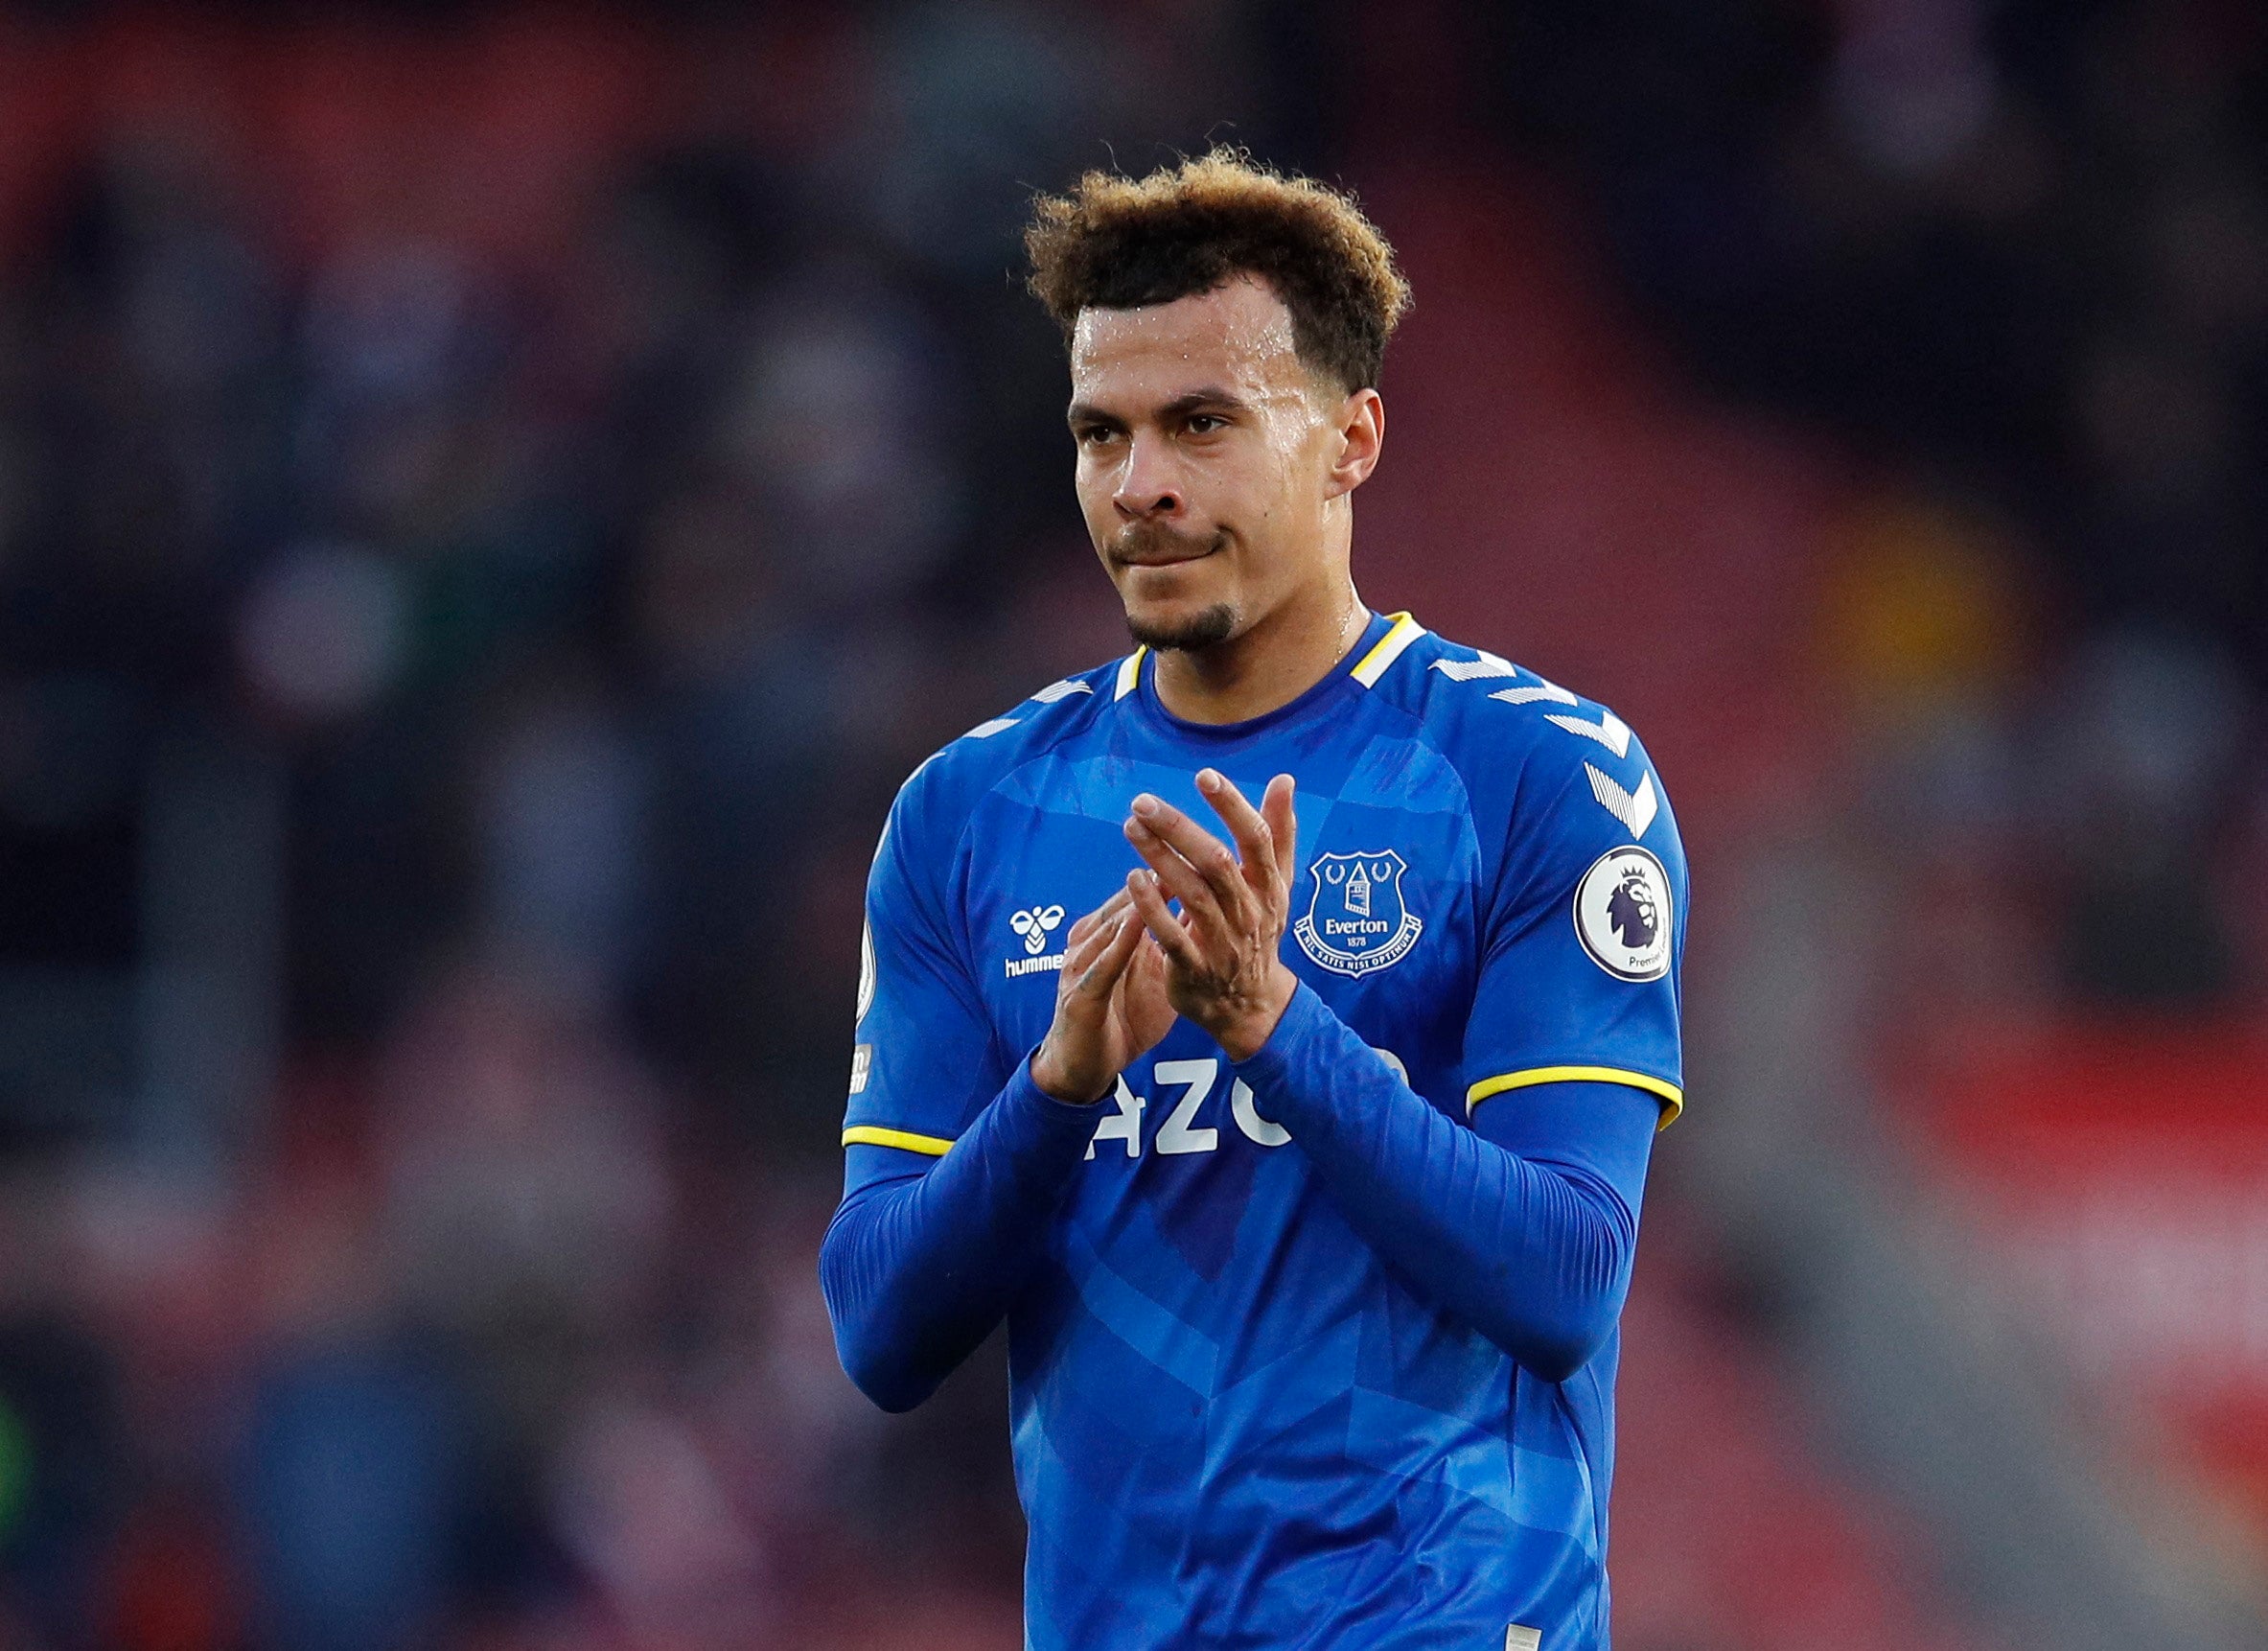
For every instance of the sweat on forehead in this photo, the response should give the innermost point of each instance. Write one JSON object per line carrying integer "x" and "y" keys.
{"x": 1238, "y": 324}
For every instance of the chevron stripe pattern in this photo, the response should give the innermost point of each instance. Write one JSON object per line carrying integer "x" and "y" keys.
{"x": 1634, "y": 808}
{"x": 1473, "y": 670}
{"x": 1609, "y": 731}
{"x": 1550, "y": 692}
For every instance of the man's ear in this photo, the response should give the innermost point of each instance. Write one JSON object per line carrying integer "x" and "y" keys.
{"x": 1361, "y": 422}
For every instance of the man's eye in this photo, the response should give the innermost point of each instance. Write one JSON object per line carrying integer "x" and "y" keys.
{"x": 1205, "y": 423}
{"x": 1095, "y": 435}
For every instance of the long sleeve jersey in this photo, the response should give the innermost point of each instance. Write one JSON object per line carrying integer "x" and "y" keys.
{"x": 1318, "y": 1349}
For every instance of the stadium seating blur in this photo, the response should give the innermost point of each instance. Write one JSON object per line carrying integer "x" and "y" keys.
{"x": 493, "y": 498}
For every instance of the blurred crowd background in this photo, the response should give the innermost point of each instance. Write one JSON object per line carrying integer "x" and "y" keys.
{"x": 495, "y": 498}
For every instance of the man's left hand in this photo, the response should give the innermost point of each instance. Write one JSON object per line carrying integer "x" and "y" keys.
{"x": 1224, "y": 963}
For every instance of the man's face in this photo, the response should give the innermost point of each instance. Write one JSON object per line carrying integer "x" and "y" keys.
{"x": 1205, "y": 459}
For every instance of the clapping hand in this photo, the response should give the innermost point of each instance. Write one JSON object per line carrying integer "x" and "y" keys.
{"x": 1110, "y": 1004}
{"x": 1221, "y": 952}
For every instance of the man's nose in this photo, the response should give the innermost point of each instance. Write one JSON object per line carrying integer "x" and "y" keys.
{"x": 1148, "y": 486}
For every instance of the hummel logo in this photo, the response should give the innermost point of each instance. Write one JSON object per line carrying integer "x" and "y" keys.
{"x": 1035, "y": 925}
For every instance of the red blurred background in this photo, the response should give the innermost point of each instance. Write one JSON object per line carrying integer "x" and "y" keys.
{"x": 494, "y": 498}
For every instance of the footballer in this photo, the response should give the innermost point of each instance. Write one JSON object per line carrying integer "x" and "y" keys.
{"x": 1272, "y": 1025}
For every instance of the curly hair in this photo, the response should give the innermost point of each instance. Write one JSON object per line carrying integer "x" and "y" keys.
{"x": 1118, "y": 243}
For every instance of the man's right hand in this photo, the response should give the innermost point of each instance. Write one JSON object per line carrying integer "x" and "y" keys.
{"x": 1110, "y": 1004}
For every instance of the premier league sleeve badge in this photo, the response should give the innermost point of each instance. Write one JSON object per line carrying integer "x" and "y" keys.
{"x": 1622, "y": 915}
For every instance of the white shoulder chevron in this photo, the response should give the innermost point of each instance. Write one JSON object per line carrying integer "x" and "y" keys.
{"x": 1473, "y": 670}
{"x": 986, "y": 729}
{"x": 1609, "y": 731}
{"x": 1635, "y": 809}
{"x": 1550, "y": 691}
{"x": 1063, "y": 690}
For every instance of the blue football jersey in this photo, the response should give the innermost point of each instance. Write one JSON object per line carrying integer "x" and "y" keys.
{"x": 1235, "y": 1425}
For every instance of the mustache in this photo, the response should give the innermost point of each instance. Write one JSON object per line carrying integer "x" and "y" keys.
{"x": 1143, "y": 544}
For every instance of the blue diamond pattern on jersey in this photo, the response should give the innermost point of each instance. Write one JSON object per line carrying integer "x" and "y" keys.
{"x": 1234, "y": 1427}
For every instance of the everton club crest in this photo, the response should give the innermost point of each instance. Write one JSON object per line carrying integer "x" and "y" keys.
{"x": 1356, "y": 919}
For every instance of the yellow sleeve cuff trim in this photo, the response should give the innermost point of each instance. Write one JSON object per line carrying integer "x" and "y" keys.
{"x": 868, "y": 1135}
{"x": 1672, "y": 1098}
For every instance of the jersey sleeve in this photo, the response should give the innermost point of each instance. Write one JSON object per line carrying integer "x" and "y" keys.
{"x": 1582, "y": 932}
{"x": 923, "y": 1058}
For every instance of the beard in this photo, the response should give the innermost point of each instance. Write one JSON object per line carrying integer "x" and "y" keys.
{"x": 1201, "y": 630}
{"x": 1144, "y": 542}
